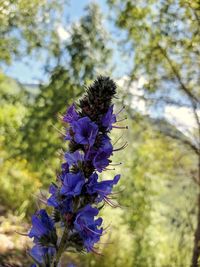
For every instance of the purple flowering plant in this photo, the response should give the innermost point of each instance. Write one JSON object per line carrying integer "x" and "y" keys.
{"x": 77, "y": 195}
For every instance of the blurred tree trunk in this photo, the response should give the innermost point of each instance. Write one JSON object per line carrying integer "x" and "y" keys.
{"x": 196, "y": 249}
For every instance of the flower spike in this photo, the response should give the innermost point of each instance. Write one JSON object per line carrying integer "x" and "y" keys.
{"x": 77, "y": 195}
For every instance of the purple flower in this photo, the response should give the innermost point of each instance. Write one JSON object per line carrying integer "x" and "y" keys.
{"x": 88, "y": 227}
{"x": 65, "y": 167}
{"x": 106, "y": 144}
{"x": 72, "y": 184}
{"x": 42, "y": 255}
{"x": 69, "y": 134}
{"x": 103, "y": 188}
{"x": 53, "y": 189}
{"x": 43, "y": 228}
{"x": 71, "y": 114}
{"x": 85, "y": 131}
{"x": 109, "y": 119}
{"x": 100, "y": 160}
{"x": 74, "y": 198}
{"x": 63, "y": 204}
{"x": 74, "y": 158}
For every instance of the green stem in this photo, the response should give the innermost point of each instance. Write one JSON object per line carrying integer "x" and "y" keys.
{"x": 61, "y": 248}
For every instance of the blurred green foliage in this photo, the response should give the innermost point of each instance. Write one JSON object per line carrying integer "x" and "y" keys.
{"x": 154, "y": 226}
{"x": 164, "y": 36}
{"x": 64, "y": 87}
{"x": 17, "y": 181}
{"x": 27, "y": 26}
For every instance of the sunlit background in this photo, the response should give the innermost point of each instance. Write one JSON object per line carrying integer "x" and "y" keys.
{"x": 51, "y": 49}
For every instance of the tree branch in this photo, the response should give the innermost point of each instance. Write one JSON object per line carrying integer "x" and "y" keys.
{"x": 177, "y": 74}
{"x": 184, "y": 141}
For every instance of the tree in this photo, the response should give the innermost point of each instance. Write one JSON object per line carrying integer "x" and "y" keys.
{"x": 78, "y": 60}
{"x": 155, "y": 174}
{"x": 27, "y": 26}
{"x": 165, "y": 38}
{"x": 17, "y": 181}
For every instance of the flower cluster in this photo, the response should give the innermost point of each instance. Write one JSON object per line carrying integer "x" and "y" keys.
{"x": 76, "y": 195}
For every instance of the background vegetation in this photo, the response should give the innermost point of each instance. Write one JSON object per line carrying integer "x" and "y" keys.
{"x": 151, "y": 49}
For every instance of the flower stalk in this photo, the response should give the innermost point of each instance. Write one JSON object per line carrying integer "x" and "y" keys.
{"x": 61, "y": 248}
{"x": 78, "y": 193}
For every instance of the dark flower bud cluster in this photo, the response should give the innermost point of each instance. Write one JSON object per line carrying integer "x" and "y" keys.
{"x": 77, "y": 195}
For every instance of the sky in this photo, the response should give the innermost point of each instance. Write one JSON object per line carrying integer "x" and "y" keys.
{"x": 29, "y": 70}
{"x": 181, "y": 117}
